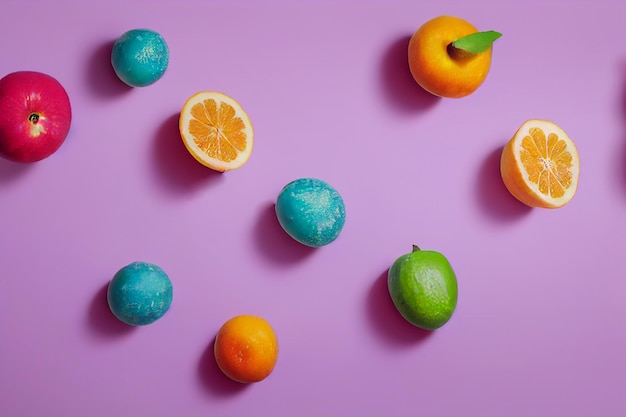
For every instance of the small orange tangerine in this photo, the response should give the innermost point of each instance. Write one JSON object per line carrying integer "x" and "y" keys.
{"x": 246, "y": 349}
{"x": 540, "y": 165}
{"x": 437, "y": 67}
{"x": 216, "y": 131}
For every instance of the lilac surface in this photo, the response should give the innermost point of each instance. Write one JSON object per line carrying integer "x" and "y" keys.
{"x": 540, "y": 328}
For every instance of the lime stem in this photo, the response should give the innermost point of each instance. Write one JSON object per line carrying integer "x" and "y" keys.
{"x": 416, "y": 248}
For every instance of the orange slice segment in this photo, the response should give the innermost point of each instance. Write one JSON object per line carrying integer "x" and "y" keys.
{"x": 216, "y": 131}
{"x": 540, "y": 165}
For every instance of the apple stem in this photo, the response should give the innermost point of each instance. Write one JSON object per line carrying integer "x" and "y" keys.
{"x": 34, "y": 118}
{"x": 416, "y": 248}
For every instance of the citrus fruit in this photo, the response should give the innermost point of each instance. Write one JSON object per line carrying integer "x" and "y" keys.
{"x": 540, "y": 165}
{"x": 140, "y": 57}
{"x": 246, "y": 348}
{"x": 311, "y": 211}
{"x": 423, "y": 287}
{"x": 139, "y": 293}
{"x": 216, "y": 131}
{"x": 443, "y": 69}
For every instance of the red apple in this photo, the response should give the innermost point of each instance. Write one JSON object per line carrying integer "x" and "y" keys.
{"x": 35, "y": 116}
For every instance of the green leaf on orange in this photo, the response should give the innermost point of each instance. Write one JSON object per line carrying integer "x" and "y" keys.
{"x": 476, "y": 43}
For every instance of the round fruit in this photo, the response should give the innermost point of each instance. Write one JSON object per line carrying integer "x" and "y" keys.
{"x": 246, "y": 349}
{"x": 35, "y": 116}
{"x": 423, "y": 288}
{"x": 438, "y": 66}
{"x": 140, "y": 293}
{"x": 216, "y": 131}
{"x": 140, "y": 57}
{"x": 311, "y": 211}
{"x": 540, "y": 165}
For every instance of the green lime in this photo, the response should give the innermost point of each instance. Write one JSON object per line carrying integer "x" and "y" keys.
{"x": 423, "y": 288}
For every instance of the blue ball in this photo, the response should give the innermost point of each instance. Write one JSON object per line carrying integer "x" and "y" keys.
{"x": 139, "y": 293}
{"x": 311, "y": 211}
{"x": 140, "y": 57}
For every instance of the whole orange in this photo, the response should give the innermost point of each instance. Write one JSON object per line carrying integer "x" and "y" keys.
{"x": 440, "y": 68}
{"x": 246, "y": 348}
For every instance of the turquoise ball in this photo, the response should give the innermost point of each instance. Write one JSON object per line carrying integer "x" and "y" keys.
{"x": 311, "y": 211}
{"x": 140, "y": 57}
{"x": 139, "y": 293}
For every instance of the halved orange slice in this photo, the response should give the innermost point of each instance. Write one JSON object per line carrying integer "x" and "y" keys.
{"x": 216, "y": 131}
{"x": 540, "y": 165}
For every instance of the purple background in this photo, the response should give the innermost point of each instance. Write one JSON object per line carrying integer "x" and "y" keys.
{"x": 540, "y": 328}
